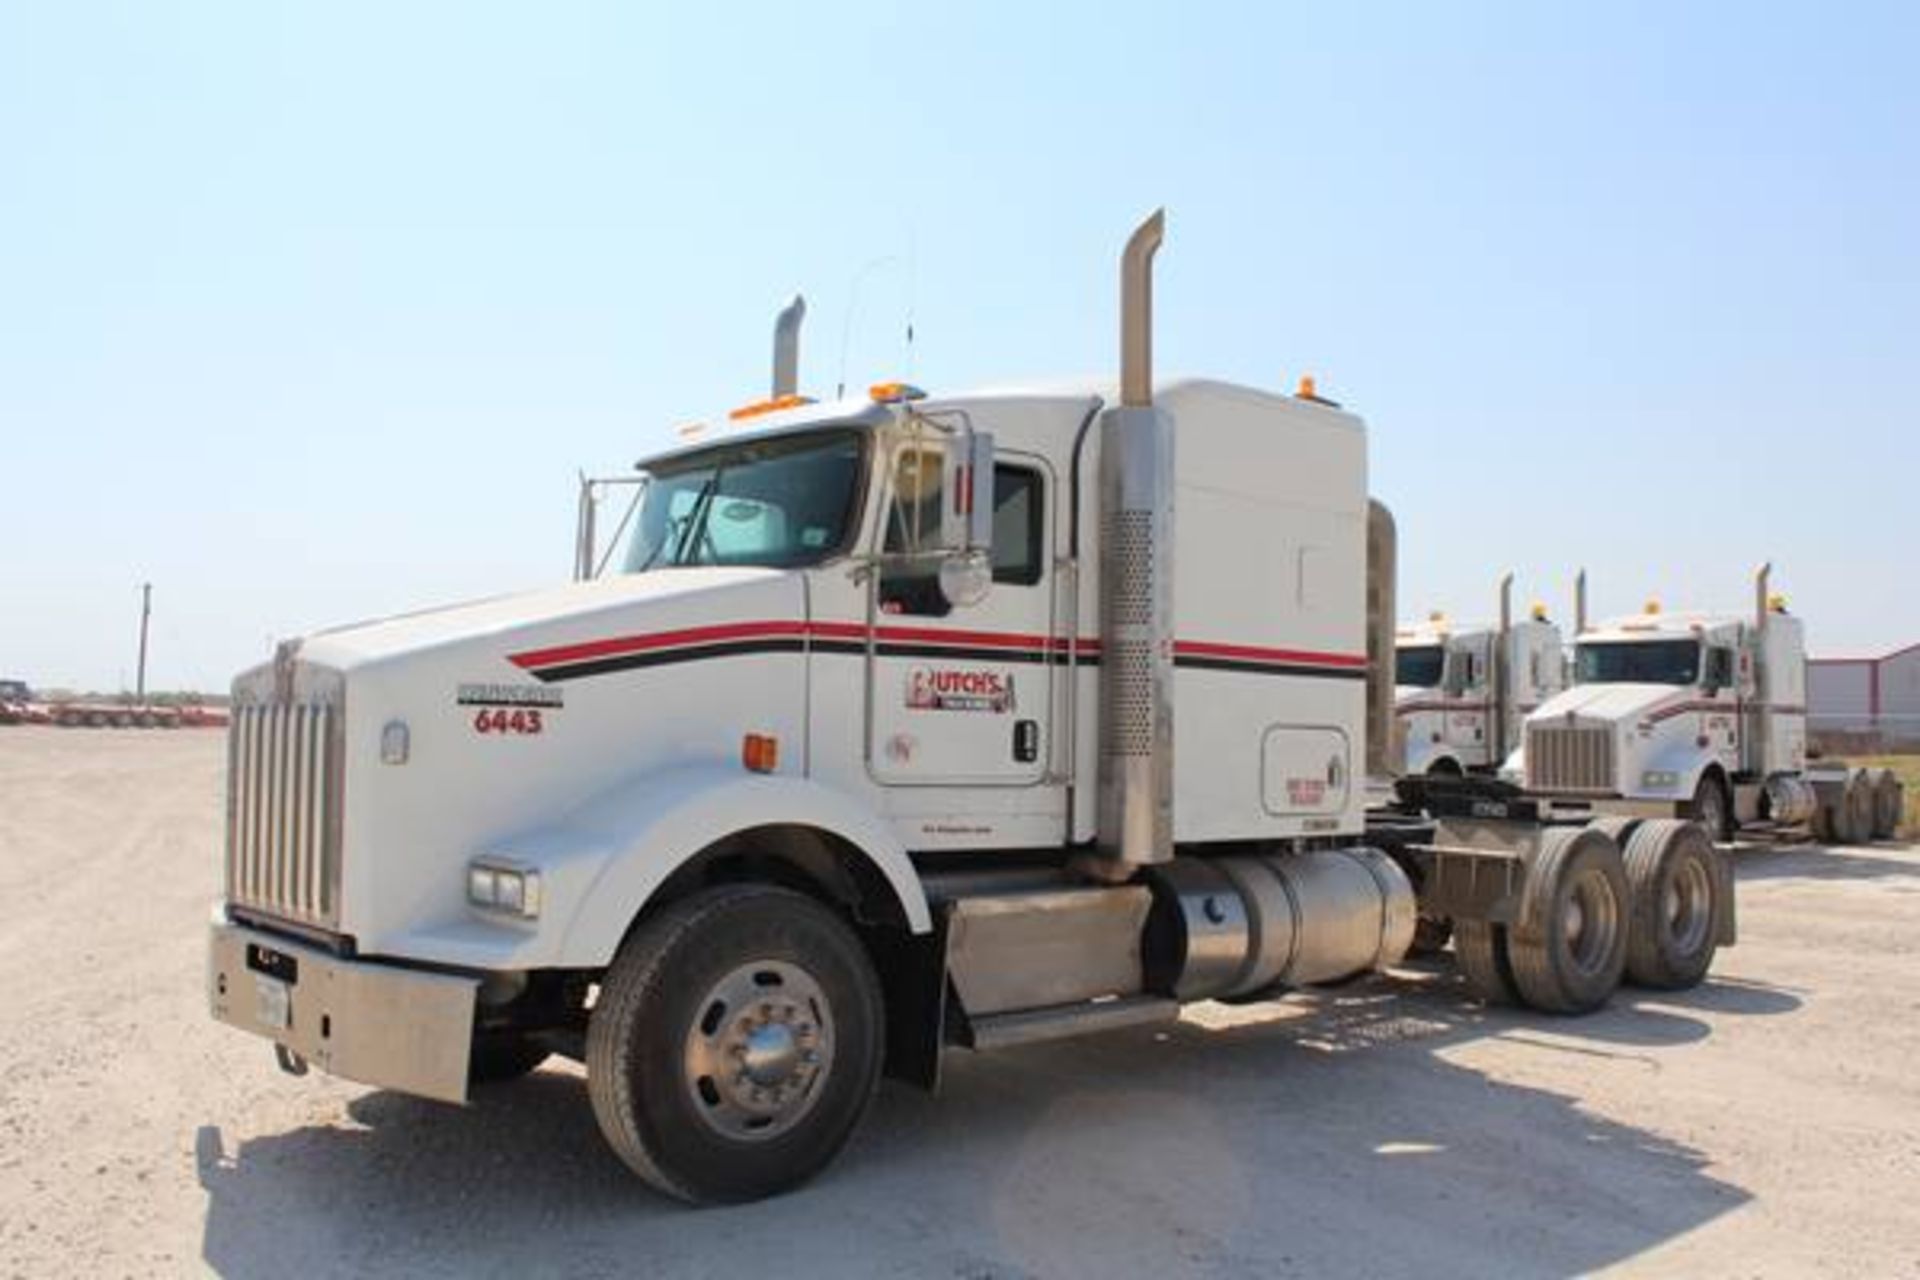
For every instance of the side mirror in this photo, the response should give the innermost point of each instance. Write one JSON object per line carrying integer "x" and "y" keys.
{"x": 966, "y": 572}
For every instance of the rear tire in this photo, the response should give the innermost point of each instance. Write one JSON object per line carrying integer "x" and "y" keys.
{"x": 1859, "y": 801}
{"x": 1889, "y": 804}
{"x": 1674, "y": 885}
{"x": 1430, "y": 936}
{"x": 1569, "y": 946}
{"x": 736, "y": 1044}
{"x": 1480, "y": 951}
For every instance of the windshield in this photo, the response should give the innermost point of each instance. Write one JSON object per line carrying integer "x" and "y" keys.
{"x": 1638, "y": 662}
{"x": 1418, "y": 666}
{"x": 778, "y": 503}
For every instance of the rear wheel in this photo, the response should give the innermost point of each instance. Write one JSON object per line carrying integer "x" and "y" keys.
{"x": 1712, "y": 810}
{"x": 1569, "y": 946}
{"x": 1858, "y": 801}
{"x": 1480, "y": 950}
{"x": 736, "y": 1044}
{"x": 1889, "y": 800}
{"x": 1675, "y": 886}
{"x": 1430, "y": 936}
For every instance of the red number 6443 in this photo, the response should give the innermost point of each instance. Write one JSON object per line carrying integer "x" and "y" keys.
{"x": 501, "y": 720}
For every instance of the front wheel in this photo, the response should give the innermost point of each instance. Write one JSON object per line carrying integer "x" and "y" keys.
{"x": 1711, "y": 809}
{"x": 736, "y": 1044}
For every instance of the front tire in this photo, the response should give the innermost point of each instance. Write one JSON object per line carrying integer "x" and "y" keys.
{"x": 1712, "y": 809}
{"x": 736, "y": 1044}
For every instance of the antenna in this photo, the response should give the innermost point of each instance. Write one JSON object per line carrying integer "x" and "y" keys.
{"x": 853, "y": 304}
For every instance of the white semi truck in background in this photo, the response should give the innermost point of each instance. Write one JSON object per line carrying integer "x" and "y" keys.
{"x": 1461, "y": 693}
{"x": 906, "y": 724}
{"x": 1702, "y": 715}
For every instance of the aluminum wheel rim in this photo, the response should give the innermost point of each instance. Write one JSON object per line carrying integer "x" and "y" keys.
{"x": 759, "y": 1050}
{"x": 1687, "y": 907}
{"x": 1590, "y": 922}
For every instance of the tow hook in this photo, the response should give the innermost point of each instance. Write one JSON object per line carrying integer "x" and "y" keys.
{"x": 290, "y": 1062}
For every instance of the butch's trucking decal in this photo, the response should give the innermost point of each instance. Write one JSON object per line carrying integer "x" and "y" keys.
{"x": 959, "y": 689}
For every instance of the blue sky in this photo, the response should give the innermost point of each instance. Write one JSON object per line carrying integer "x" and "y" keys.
{"x": 309, "y": 314}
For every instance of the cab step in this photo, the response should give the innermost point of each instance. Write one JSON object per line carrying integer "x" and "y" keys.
{"x": 1060, "y": 1022}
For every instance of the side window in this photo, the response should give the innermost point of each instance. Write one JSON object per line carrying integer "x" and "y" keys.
{"x": 910, "y": 581}
{"x": 1019, "y": 526}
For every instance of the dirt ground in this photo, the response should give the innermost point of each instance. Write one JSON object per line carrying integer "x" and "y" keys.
{"x": 1765, "y": 1124}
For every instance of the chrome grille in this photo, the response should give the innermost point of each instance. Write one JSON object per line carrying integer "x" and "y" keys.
{"x": 284, "y": 764}
{"x": 1570, "y": 758}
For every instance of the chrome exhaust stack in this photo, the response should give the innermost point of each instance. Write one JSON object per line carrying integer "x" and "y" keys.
{"x": 1384, "y": 755}
{"x": 1135, "y": 810}
{"x": 786, "y": 347}
{"x": 1580, "y": 603}
{"x": 1502, "y": 675}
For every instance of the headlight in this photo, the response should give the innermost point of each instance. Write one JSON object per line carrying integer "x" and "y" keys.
{"x": 509, "y": 888}
{"x": 1659, "y": 780}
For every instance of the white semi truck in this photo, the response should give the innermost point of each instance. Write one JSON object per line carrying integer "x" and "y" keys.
{"x": 1461, "y": 693}
{"x": 907, "y": 723}
{"x": 1702, "y": 715}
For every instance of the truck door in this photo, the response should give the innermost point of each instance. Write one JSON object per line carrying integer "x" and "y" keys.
{"x": 963, "y": 696}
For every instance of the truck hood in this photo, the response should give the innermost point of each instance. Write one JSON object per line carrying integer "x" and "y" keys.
{"x": 1612, "y": 703}
{"x": 576, "y": 607}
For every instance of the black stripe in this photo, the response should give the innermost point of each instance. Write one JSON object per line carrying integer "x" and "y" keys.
{"x": 667, "y": 657}
{"x": 1271, "y": 668}
{"x": 856, "y": 648}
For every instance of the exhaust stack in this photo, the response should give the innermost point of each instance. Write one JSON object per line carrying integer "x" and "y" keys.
{"x": 1384, "y": 753}
{"x": 786, "y": 347}
{"x": 1502, "y": 675}
{"x": 1135, "y": 812}
{"x": 1580, "y": 603}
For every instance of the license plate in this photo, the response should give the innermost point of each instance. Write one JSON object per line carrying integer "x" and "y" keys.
{"x": 273, "y": 1002}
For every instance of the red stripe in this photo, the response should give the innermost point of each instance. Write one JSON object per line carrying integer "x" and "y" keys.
{"x": 1252, "y": 653}
{"x": 585, "y": 651}
{"x": 590, "y": 649}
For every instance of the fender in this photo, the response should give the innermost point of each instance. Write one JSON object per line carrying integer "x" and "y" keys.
{"x": 646, "y": 832}
{"x": 602, "y": 862}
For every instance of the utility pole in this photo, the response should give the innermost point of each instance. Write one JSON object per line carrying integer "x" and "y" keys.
{"x": 146, "y": 611}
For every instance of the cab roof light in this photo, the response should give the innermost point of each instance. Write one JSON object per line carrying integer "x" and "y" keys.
{"x": 894, "y": 392}
{"x": 1309, "y": 389}
{"x": 1653, "y": 607}
{"x": 1776, "y": 603}
{"x": 774, "y": 405}
{"x": 1539, "y": 611}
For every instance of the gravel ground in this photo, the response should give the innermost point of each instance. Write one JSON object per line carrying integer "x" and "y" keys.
{"x": 1767, "y": 1123}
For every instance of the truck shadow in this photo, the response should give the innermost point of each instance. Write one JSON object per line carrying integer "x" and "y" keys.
{"x": 1321, "y": 1133}
{"x": 1818, "y": 862}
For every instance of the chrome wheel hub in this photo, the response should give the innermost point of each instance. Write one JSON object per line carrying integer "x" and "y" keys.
{"x": 760, "y": 1048}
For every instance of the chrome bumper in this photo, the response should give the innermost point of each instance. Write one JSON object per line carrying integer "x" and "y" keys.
{"x": 380, "y": 1025}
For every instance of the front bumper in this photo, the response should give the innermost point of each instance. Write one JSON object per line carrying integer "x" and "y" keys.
{"x": 375, "y": 1023}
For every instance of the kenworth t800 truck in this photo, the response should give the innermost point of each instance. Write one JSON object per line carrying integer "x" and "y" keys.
{"x": 1461, "y": 693}
{"x": 907, "y": 723}
{"x": 1702, "y": 715}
